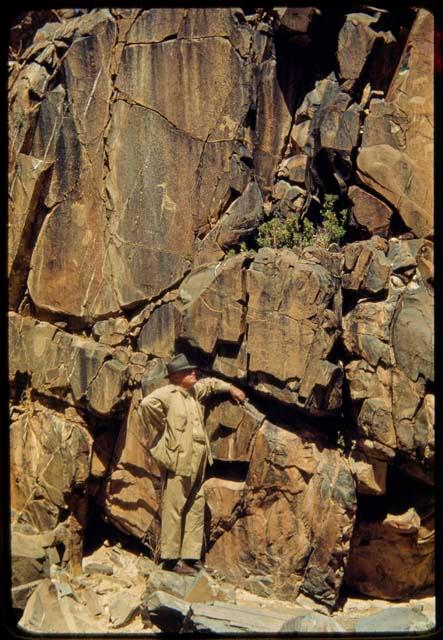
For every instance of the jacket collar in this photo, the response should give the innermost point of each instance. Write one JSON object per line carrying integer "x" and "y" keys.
{"x": 179, "y": 389}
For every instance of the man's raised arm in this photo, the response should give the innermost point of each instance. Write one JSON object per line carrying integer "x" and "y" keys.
{"x": 207, "y": 386}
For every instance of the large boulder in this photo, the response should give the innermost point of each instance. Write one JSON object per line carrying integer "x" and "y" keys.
{"x": 281, "y": 312}
{"x": 369, "y": 213}
{"x": 392, "y": 557}
{"x": 130, "y": 496}
{"x": 364, "y": 35}
{"x": 109, "y": 196}
{"x": 389, "y": 345}
{"x": 396, "y": 157}
{"x": 71, "y": 368}
{"x": 50, "y": 458}
{"x": 292, "y": 530}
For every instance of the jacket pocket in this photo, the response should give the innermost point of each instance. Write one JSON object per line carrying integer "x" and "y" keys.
{"x": 164, "y": 454}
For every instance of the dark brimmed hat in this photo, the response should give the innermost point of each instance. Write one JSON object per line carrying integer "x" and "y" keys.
{"x": 179, "y": 363}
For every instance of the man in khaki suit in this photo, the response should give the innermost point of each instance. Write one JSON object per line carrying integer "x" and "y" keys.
{"x": 182, "y": 452}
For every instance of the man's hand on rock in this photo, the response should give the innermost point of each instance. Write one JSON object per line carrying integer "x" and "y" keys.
{"x": 237, "y": 394}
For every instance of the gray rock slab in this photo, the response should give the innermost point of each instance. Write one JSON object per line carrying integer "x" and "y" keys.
{"x": 313, "y": 623}
{"x": 221, "y": 617}
{"x": 165, "y": 611}
{"x": 169, "y": 582}
{"x": 21, "y": 594}
{"x": 206, "y": 589}
{"x": 97, "y": 567}
{"x": 123, "y": 609}
{"x": 396, "y": 619}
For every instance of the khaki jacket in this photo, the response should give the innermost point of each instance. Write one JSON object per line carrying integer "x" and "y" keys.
{"x": 172, "y": 411}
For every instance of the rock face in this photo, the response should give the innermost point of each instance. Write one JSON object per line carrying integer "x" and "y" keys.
{"x": 276, "y": 304}
{"x": 148, "y": 147}
{"x": 130, "y": 495}
{"x": 55, "y": 450}
{"x": 396, "y": 157}
{"x": 390, "y": 345}
{"x": 372, "y": 562}
{"x": 293, "y": 521}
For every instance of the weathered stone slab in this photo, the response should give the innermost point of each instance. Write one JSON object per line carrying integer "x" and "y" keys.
{"x": 276, "y": 100}
{"x": 206, "y": 589}
{"x": 67, "y": 366}
{"x": 367, "y": 268}
{"x": 287, "y": 305}
{"x": 396, "y": 159}
{"x": 413, "y": 334}
{"x": 226, "y": 618}
{"x": 123, "y": 610}
{"x": 77, "y": 218}
{"x": 131, "y": 493}
{"x": 27, "y": 193}
{"x": 111, "y": 332}
{"x": 370, "y": 213}
{"x": 215, "y": 313}
{"x": 232, "y": 429}
{"x": 168, "y": 582}
{"x": 224, "y": 499}
{"x": 312, "y": 623}
{"x": 239, "y": 221}
{"x": 48, "y": 611}
{"x": 28, "y": 558}
{"x": 165, "y": 611}
{"x": 295, "y": 490}
{"x": 55, "y": 451}
{"x": 158, "y": 333}
{"x": 359, "y": 34}
{"x": 395, "y": 620}
{"x": 393, "y": 557}
{"x": 20, "y": 595}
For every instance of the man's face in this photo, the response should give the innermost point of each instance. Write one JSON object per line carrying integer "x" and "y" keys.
{"x": 185, "y": 379}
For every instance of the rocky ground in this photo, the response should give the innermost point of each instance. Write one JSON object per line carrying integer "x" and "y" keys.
{"x": 121, "y": 591}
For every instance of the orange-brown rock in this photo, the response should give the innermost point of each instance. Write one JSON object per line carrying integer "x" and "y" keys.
{"x": 130, "y": 495}
{"x": 224, "y": 503}
{"x": 74, "y": 369}
{"x": 361, "y": 34}
{"x": 145, "y": 145}
{"x": 98, "y": 170}
{"x": 396, "y": 158}
{"x": 392, "y": 557}
{"x": 55, "y": 450}
{"x": 211, "y": 302}
{"x": 76, "y": 217}
{"x": 366, "y": 266}
{"x": 233, "y": 429}
{"x": 238, "y": 223}
{"x": 390, "y": 343}
{"x": 158, "y": 332}
{"x": 277, "y": 304}
{"x": 369, "y": 213}
{"x": 296, "y": 518}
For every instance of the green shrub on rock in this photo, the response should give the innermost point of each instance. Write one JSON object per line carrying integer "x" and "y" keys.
{"x": 296, "y": 232}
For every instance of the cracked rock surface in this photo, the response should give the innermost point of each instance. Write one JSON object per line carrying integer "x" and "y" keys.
{"x": 147, "y": 147}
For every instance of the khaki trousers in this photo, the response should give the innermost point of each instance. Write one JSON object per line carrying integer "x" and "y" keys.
{"x": 183, "y": 510}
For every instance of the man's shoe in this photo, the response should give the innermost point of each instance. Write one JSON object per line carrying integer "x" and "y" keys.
{"x": 184, "y": 569}
{"x": 169, "y": 564}
{"x": 196, "y": 564}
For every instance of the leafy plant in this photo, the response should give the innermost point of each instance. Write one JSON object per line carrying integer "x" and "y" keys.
{"x": 295, "y": 232}
{"x": 333, "y": 225}
{"x": 241, "y": 248}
